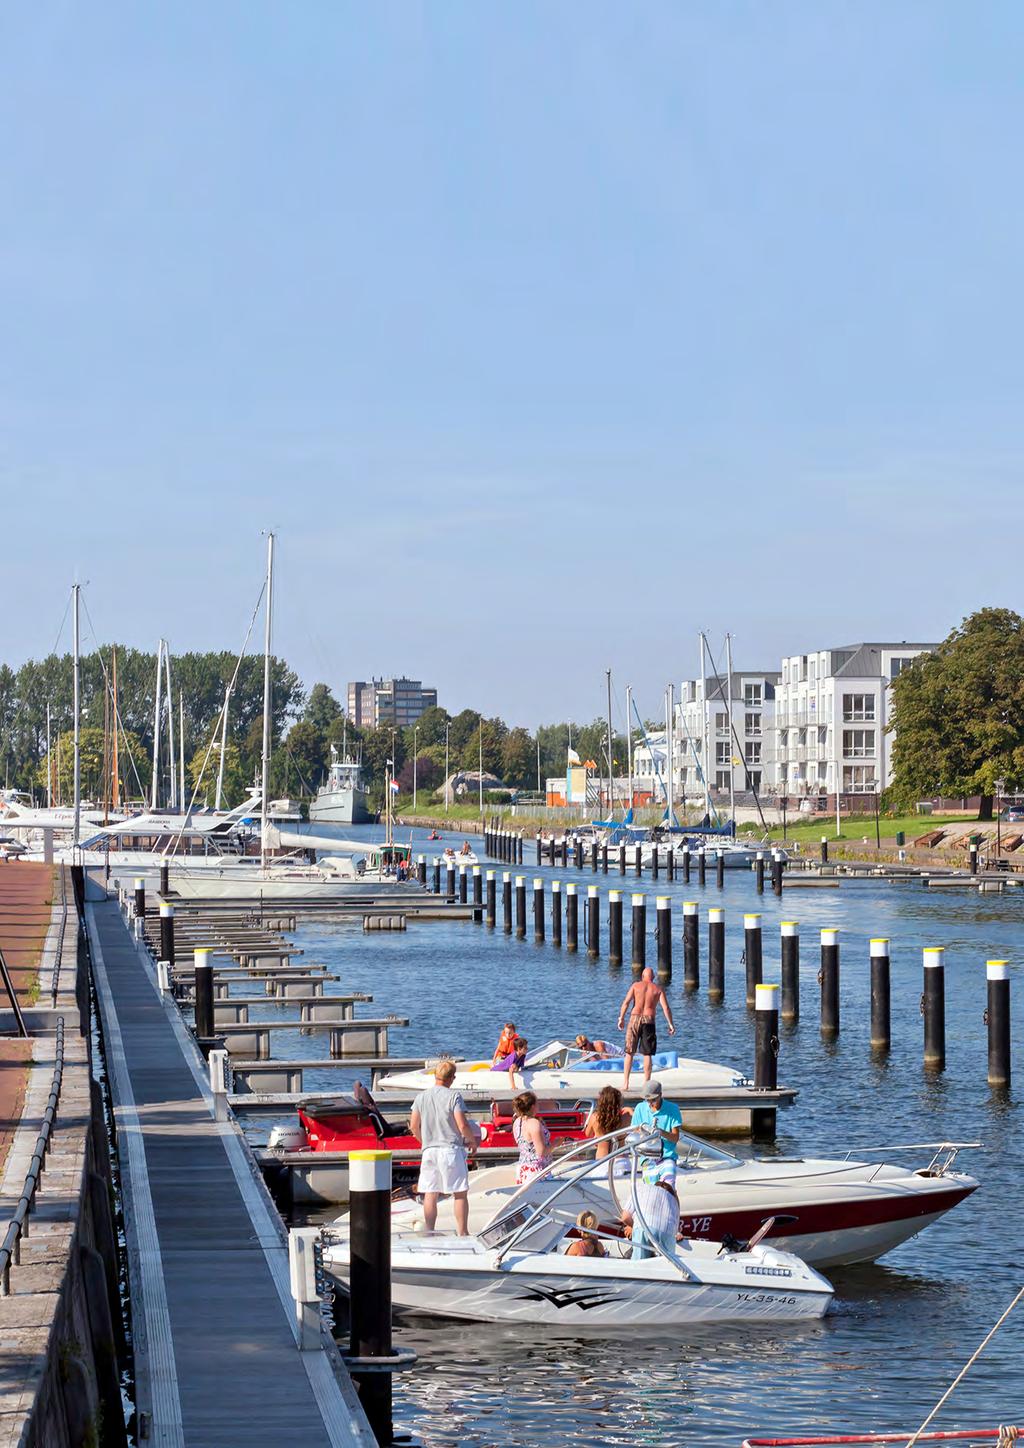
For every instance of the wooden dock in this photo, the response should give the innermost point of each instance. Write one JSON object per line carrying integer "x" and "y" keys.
{"x": 213, "y": 1319}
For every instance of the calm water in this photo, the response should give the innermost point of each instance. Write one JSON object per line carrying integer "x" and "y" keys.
{"x": 899, "y": 1331}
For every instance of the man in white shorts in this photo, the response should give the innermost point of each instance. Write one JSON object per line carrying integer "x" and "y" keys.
{"x": 439, "y": 1123}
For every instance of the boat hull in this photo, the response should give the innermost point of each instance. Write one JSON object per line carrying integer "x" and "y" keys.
{"x": 340, "y": 807}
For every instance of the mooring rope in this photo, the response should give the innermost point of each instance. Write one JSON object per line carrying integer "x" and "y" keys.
{"x": 1006, "y": 1435}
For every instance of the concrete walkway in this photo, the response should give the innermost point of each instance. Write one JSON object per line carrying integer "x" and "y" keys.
{"x": 212, "y": 1315}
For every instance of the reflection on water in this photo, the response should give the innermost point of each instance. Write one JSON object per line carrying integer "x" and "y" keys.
{"x": 900, "y": 1330}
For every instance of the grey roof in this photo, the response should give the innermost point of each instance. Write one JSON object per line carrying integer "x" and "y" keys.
{"x": 864, "y": 659}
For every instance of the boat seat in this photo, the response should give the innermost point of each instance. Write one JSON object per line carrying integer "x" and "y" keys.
{"x": 662, "y": 1061}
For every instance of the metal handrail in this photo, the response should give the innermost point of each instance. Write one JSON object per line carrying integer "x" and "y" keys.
{"x": 59, "y": 953}
{"x": 10, "y": 1251}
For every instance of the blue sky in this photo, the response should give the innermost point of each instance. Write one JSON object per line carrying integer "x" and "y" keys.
{"x": 545, "y": 334}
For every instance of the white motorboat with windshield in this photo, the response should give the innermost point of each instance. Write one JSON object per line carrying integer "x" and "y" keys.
{"x": 520, "y": 1267}
{"x": 558, "y": 1070}
{"x": 831, "y": 1212}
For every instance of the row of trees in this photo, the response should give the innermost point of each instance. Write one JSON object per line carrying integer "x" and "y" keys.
{"x": 958, "y": 714}
{"x": 304, "y": 729}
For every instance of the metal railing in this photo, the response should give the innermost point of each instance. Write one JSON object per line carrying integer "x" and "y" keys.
{"x": 10, "y": 1252}
{"x": 59, "y": 952}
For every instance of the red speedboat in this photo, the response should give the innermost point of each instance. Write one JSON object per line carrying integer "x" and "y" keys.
{"x": 356, "y": 1123}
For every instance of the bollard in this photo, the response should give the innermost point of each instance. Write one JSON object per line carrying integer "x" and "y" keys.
{"x": 538, "y": 910}
{"x": 752, "y": 955}
{"x": 663, "y": 937}
{"x": 702, "y": 873}
{"x": 974, "y": 859}
{"x": 777, "y": 867}
{"x": 577, "y": 854}
{"x": 824, "y": 849}
{"x": 790, "y": 950}
{"x": 997, "y": 1018}
{"x": 478, "y": 891}
{"x": 594, "y": 924}
{"x": 556, "y": 912}
{"x": 691, "y": 946}
{"x": 880, "y": 1017}
{"x": 654, "y": 863}
{"x": 140, "y": 898}
{"x": 539, "y": 847}
{"x": 572, "y": 931}
{"x": 719, "y": 869}
{"x": 421, "y": 869}
{"x": 638, "y": 860}
{"x": 519, "y": 848}
{"x": 604, "y": 858}
{"x": 520, "y": 907}
{"x": 686, "y": 864}
{"x": 933, "y": 1008}
{"x": 593, "y": 856}
{"x": 565, "y": 853}
{"x": 638, "y": 933}
{"x": 436, "y": 873}
{"x": 450, "y": 883}
{"x": 490, "y": 912}
{"x": 622, "y": 859}
{"x": 759, "y": 871}
{"x": 165, "y": 883}
{"x": 167, "y": 933}
{"x": 463, "y": 886}
{"x": 670, "y": 865}
{"x": 828, "y": 977}
{"x": 219, "y": 1083}
{"x": 766, "y": 1058}
{"x": 506, "y": 901}
{"x": 614, "y": 927}
{"x": 204, "y": 995}
{"x": 766, "y": 1037}
{"x": 369, "y": 1185}
{"x": 716, "y": 954}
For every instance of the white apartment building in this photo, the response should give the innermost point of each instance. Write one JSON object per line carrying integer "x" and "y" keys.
{"x": 831, "y": 711}
{"x": 744, "y": 757}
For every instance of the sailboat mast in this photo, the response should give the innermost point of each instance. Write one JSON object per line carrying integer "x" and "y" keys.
{"x": 223, "y": 746}
{"x": 49, "y": 761}
{"x": 115, "y": 783}
{"x": 77, "y": 702}
{"x": 629, "y": 742}
{"x": 156, "y": 724}
{"x": 704, "y": 730}
{"x": 670, "y": 709}
{"x": 611, "y": 782}
{"x": 728, "y": 709}
{"x": 107, "y": 771}
{"x": 181, "y": 746}
{"x": 265, "y": 767}
{"x": 172, "y": 759}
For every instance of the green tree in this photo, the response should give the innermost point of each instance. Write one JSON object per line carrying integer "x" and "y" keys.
{"x": 300, "y": 761}
{"x": 958, "y": 713}
{"x": 489, "y": 735}
{"x": 431, "y": 726}
{"x": 322, "y": 709}
{"x": 380, "y": 745}
{"x": 94, "y": 763}
{"x": 519, "y": 760}
{"x": 463, "y": 729}
{"x": 202, "y": 770}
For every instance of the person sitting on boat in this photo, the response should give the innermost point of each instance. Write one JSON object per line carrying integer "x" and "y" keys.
{"x": 465, "y": 848}
{"x": 514, "y": 1061}
{"x": 586, "y": 1244}
{"x": 532, "y": 1137}
{"x": 596, "y": 1050}
{"x": 506, "y": 1042}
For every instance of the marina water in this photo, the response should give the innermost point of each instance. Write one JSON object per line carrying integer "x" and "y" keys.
{"x": 899, "y": 1330}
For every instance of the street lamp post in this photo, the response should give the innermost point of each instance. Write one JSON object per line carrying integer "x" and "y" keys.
{"x": 447, "y": 786}
{"x": 1000, "y": 787}
{"x": 878, "y": 833}
{"x": 415, "y": 752}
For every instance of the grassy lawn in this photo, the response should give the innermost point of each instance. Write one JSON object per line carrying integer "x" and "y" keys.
{"x": 855, "y": 827}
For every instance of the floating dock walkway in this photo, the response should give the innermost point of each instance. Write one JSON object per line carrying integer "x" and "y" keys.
{"x": 213, "y": 1318}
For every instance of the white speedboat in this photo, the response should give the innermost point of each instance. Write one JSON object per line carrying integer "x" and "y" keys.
{"x": 831, "y": 1212}
{"x": 557, "y": 1071}
{"x": 518, "y": 1268}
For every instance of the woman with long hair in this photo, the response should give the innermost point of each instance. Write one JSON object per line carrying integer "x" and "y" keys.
{"x": 608, "y": 1115}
